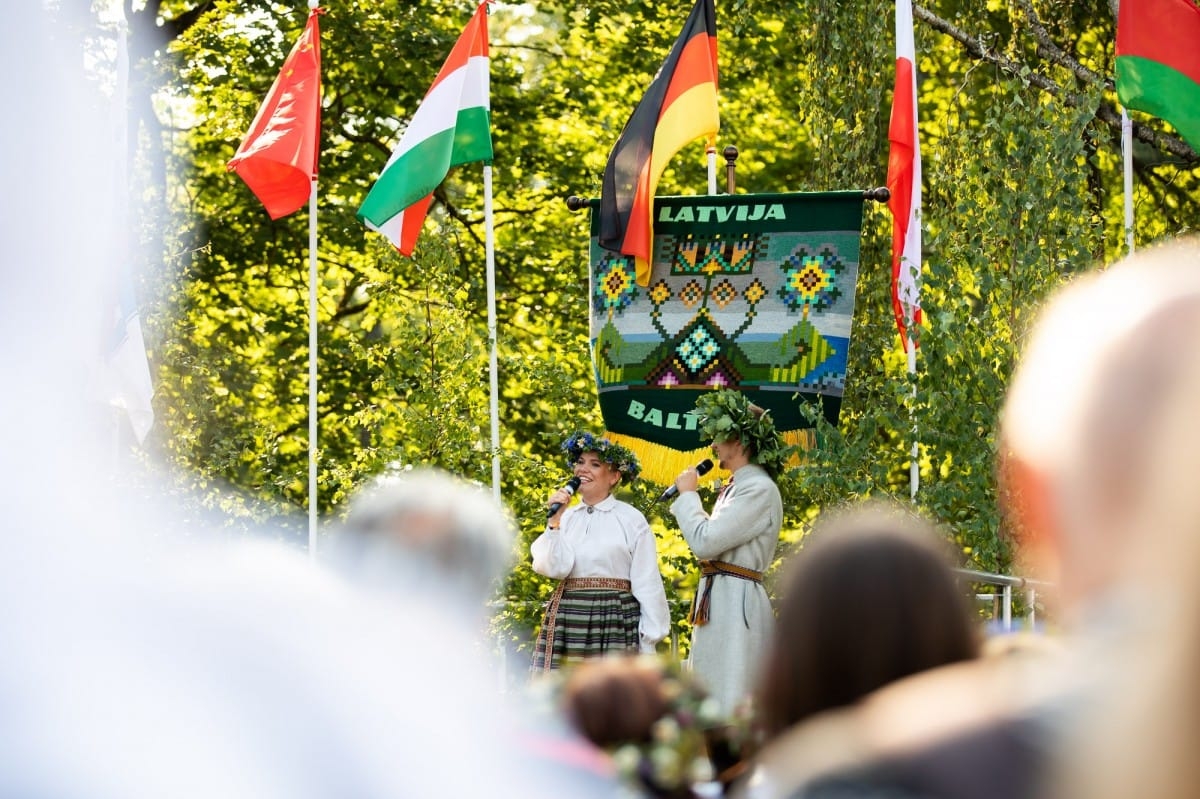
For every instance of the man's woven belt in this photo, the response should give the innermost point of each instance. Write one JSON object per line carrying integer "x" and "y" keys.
{"x": 709, "y": 569}
{"x": 573, "y": 584}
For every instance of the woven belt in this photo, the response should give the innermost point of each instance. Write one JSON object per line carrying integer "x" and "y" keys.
{"x": 576, "y": 583}
{"x": 709, "y": 569}
{"x": 573, "y": 584}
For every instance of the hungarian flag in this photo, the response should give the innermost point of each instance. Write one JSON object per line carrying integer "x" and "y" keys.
{"x": 904, "y": 180}
{"x": 451, "y": 127}
{"x": 1158, "y": 62}
{"x": 278, "y": 159}
{"x": 679, "y": 107}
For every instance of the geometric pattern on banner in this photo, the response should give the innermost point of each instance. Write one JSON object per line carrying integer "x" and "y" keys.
{"x": 751, "y": 292}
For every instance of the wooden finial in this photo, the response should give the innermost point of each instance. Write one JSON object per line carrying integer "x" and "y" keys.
{"x": 731, "y": 154}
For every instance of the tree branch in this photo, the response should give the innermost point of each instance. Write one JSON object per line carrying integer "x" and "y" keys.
{"x": 1106, "y": 112}
{"x": 1050, "y": 48}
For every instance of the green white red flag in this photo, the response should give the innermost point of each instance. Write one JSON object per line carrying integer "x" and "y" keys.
{"x": 679, "y": 107}
{"x": 278, "y": 159}
{"x": 1158, "y": 62}
{"x": 451, "y": 127}
{"x": 904, "y": 181}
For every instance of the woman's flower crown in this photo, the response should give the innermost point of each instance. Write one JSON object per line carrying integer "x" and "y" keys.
{"x": 615, "y": 455}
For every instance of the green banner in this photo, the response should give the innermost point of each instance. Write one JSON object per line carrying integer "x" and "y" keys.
{"x": 752, "y": 292}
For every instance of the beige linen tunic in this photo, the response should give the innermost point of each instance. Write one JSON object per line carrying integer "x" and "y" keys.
{"x": 743, "y": 529}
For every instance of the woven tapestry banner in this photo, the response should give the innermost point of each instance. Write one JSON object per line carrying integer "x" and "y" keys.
{"x": 752, "y": 292}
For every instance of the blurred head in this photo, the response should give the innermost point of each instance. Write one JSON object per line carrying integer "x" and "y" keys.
{"x": 870, "y": 598}
{"x": 1154, "y": 685}
{"x": 651, "y": 715}
{"x": 1074, "y": 430}
{"x": 432, "y": 531}
{"x": 616, "y": 700}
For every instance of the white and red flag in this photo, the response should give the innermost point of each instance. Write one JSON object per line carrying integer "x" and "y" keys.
{"x": 904, "y": 182}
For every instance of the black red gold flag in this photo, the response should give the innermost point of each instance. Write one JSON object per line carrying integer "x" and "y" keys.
{"x": 679, "y": 107}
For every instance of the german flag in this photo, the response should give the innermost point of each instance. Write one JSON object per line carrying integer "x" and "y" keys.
{"x": 679, "y": 107}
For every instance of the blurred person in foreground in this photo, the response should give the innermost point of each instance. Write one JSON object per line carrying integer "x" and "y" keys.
{"x": 143, "y": 663}
{"x": 653, "y": 719}
{"x": 427, "y": 532}
{"x": 1140, "y": 738}
{"x": 871, "y": 597}
{"x": 610, "y": 596}
{"x": 1074, "y": 470}
{"x": 732, "y": 619}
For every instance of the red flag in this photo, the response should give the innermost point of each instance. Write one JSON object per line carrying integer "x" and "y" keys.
{"x": 679, "y": 106}
{"x": 904, "y": 180}
{"x": 278, "y": 159}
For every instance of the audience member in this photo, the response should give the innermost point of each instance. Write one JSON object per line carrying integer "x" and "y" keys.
{"x": 142, "y": 663}
{"x": 1139, "y": 737}
{"x": 652, "y": 718}
{"x": 426, "y": 531}
{"x": 1074, "y": 470}
{"x": 870, "y": 598}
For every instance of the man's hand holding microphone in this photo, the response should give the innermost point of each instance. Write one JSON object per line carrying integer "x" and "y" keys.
{"x": 688, "y": 480}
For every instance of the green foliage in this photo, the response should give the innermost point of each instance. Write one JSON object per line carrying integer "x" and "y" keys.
{"x": 726, "y": 415}
{"x": 1022, "y": 189}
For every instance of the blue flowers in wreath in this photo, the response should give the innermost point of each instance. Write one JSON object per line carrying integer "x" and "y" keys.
{"x": 811, "y": 280}
{"x": 615, "y": 455}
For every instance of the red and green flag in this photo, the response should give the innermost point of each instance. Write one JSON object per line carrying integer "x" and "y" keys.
{"x": 679, "y": 107}
{"x": 450, "y": 127}
{"x": 1158, "y": 62}
{"x": 278, "y": 159}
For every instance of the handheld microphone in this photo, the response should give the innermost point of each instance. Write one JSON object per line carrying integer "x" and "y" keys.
{"x": 702, "y": 468}
{"x": 571, "y": 487}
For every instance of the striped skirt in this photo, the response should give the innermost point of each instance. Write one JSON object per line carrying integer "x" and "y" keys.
{"x": 587, "y": 617}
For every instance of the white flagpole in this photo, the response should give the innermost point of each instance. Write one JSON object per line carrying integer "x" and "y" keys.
{"x": 121, "y": 105}
{"x": 493, "y": 388}
{"x": 312, "y": 371}
{"x": 1127, "y": 157}
{"x": 712, "y": 170}
{"x": 914, "y": 466}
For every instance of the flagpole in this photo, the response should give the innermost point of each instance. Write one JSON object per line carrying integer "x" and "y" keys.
{"x": 904, "y": 184}
{"x": 914, "y": 465}
{"x": 312, "y": 371}
{"x": 121, "y": 109}
{"x": 1127, "y": 158}
{"x": 712, "y": 168}
{"x": 490, "y": 253}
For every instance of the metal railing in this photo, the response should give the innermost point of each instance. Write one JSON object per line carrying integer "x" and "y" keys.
{"x": 1002, "y": 605}
{"x": 1002, "y": 602}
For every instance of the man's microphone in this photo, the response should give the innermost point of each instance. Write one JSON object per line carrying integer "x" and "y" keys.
{"x": 702, "y": 468}
{"x": 571, "y": 487}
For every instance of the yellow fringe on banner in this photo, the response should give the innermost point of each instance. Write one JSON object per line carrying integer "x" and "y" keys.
{"x": 661, "y": 465}
{"x": 804, "y": 440}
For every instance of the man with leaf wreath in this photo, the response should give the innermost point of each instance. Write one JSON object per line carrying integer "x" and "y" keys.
{"x": 731, "y": 615}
